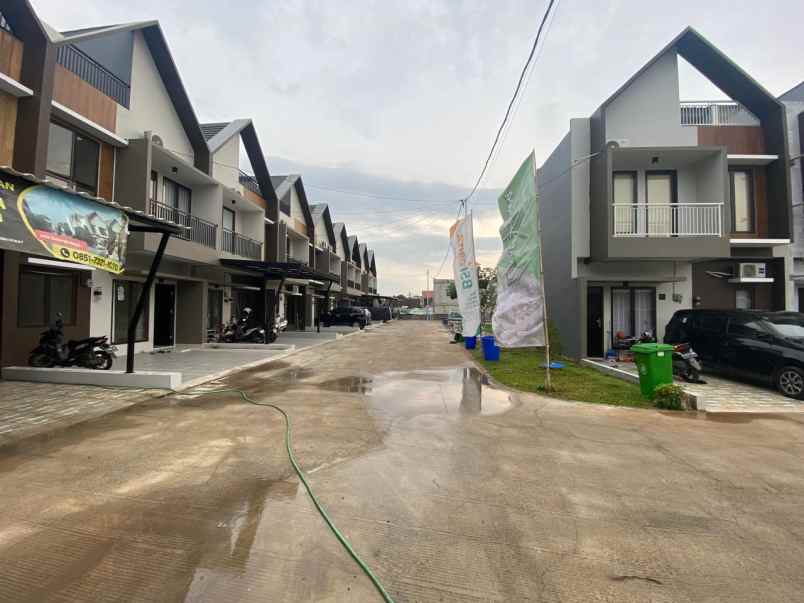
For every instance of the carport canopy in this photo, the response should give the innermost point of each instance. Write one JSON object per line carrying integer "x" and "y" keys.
{"x": 281, "y": 270}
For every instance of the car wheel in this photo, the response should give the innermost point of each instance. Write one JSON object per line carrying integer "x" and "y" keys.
{"x": 790, "y": 381}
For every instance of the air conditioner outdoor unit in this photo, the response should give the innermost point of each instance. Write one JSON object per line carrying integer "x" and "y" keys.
{"x": 752, "y": 270}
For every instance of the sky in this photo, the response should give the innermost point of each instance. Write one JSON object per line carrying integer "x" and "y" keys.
{"x": 403, "y": 98}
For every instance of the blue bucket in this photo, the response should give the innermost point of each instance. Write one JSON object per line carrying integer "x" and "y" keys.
{"x": 491, "y": 352}
{"x": 470, "y": 342}
{"x": 487, "y": 341}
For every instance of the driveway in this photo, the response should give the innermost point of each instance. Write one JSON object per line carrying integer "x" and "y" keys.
{"x": 449, "y": 489}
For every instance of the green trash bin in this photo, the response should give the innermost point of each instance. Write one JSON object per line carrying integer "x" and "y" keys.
{"x": 655, "y": 364}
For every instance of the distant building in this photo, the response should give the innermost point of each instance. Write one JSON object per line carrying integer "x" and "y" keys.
{"x": 443, "y": 304}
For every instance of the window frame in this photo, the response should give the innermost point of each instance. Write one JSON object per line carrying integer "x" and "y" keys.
{"x": 632, "y": 302}
{"x": 752, "y": 202}
{"x": 673, "y": 197}
{"x": 179, "y": 187}
{"x": 146, "y": 313}
{"x": 71, "y": 178}
{"x": 234, "y": 219}
{"x": 70, "y": 321}
{"x": 634, "y": 175}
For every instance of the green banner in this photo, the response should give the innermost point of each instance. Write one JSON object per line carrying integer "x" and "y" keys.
{"x": 35, "y": 218}
{"x": 519, "y": 315}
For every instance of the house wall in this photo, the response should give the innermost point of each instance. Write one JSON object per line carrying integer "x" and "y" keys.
{"x": 83, "y": 98}
{"x": 225, "y": 163}
{"x": 151, "y": 107}
{"x": 8, "y": 123}
{"x": 555, "y": 213}
{"x": 102, "y": 309}
{"x": 296, "y": 213}
{"x": 580, "y": 146}
{"x": 793, "y": 109}
{"x": 648, "y": 111}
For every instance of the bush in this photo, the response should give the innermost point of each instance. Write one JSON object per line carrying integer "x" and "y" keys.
{"x": 669, "y": 397}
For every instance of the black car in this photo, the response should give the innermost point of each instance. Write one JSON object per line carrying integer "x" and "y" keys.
{"x": 759, "y": 346}
{"x": 353, "y": 317}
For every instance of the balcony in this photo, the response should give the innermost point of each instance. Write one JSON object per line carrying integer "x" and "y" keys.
{"x": 716, "y": 113}
{"x": 243, "y": 246}
{"x": 668, "y": 220}
{"x": 250, "y": 183}
{"x": 94, "y": 74}
{"x": 202, "y": 232}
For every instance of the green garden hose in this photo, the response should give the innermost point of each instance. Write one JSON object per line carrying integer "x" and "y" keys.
{"x": 341, "y": 538}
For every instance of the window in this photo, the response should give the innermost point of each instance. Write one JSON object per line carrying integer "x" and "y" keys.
{"x": 742, "y": 198}
{"x": 788, "y": 325}
{"x": 660, "y": 190}
{"x": 73, "y": 158}
{"x": 176, "y": 196}
{"x": 633, "y": 311}
{"x": 154, "y": 186}
{"x": 228, "y": 219}
{"x": 126, "y": 294}
{"x": 45, "y": 294}
{"x": 624, "y": 186}
{"x": 742, "y": 326}
{"x": 744, "y": 299}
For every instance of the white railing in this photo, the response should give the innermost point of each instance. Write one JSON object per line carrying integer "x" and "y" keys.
{"x": 716, "y": 113}
{"x": 668, "y": 219}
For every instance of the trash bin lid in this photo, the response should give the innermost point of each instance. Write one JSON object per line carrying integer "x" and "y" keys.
{"x": 650, "y": 348}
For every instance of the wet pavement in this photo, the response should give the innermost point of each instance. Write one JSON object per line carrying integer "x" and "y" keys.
{"x": 451, "y": 489}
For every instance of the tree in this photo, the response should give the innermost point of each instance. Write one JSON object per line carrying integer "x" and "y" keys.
{"x": 487, "y": 281}
{"x": 452, "y": 292}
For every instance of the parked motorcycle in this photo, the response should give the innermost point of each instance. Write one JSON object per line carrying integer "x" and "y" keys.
{"x": 241, "y": 331}
{"x": 686, "y": 364}
{"x": 92, "y": 352}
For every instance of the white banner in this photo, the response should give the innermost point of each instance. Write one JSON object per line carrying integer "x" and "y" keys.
{"x": 465, "y": 270}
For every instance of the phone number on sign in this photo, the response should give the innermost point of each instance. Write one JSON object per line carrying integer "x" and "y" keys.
{"x": 97, "y": 261}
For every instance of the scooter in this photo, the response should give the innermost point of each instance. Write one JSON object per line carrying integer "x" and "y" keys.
{"x": 686, "y": 364}
{"x": 239, "y": 331}
{"x": 92, "y": 352}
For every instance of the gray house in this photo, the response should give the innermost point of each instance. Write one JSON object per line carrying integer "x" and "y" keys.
{"x": 793, "y": 101}
{"x": 653, "y": 205}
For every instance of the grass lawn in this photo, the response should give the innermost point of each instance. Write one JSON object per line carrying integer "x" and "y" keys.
{"x": 521, "y": 369}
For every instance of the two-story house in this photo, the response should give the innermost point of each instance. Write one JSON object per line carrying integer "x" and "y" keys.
{"x": 327, "y": 259}
{"x": 354, "y": 272}
{"x": 793, "y": 101}
{"x": 652, "y": 205}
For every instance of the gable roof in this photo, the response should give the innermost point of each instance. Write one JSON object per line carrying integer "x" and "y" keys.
{"x": 363, "y": 250}
{"x": 717, "y": 67}
{"x": 165, "y": 65}
{"x": 322, "y": 209}
{"x": 295, "y": 181}
{"x": 218, "y": 134}
{"x": 354, "y": 250}
{"x": 372, "y": 265}
{"x": 340, "y": 231}
{"x": 795, "y": 94}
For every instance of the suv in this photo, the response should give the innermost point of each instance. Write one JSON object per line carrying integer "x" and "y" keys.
{"x": 759, "y": 346}
{"x": 353, "y": 317}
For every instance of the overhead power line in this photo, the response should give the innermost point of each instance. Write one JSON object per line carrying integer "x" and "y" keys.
{"x": 513, "y": 98}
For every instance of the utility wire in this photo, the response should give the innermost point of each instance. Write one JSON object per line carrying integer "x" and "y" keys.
{"x": 513, "y": 99}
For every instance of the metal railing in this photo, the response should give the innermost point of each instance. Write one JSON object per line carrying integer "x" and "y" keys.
{"x": 4, "y": 25}
{"x": 249, "y": 182}
{"x": 668, "y": 219}
{"x": 716, "y": 113}
{"x": 93, "y": 73}
{"x": 241, "y": 245}
{"x": 201, "y": 231}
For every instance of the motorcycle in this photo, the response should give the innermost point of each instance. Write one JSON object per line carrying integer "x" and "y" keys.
{"x": 686, "y": 364}
{"x": 92, "y": 352}
{"x": 239, "y": 331}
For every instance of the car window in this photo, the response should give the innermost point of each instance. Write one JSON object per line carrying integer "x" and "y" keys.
{"x": 787, "y": 326}
{"x": 711, "y": 322}
{"x": 745, "y": 326}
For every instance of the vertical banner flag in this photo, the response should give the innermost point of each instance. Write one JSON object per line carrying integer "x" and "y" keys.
{"x": 519, "y": 316}
{"x": 465, "y": 268}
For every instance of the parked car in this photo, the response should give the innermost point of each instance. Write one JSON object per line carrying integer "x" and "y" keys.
{"x": 354, "y": 317}
{"x": 766, "y": 347}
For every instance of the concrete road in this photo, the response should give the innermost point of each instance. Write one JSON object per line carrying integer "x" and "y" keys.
{"x": 451, "y": 490}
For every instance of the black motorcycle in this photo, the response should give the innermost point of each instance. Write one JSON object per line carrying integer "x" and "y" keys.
{"x": 241, "y": 331}
{"x": 92, "y": 352}
{"x": 686, "y": 364}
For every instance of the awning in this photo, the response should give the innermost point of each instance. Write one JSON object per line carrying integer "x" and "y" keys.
{"x": 280, "y": 270}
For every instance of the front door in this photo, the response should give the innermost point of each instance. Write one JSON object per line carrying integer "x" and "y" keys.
{"x": 164, "y": 314}
{"x": 594, "y": 322}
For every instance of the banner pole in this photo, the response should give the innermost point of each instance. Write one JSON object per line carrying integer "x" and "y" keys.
{"x": 548, "y": 384}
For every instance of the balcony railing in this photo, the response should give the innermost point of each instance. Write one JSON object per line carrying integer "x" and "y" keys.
{"x": 94, "y": 73}
{"x": 668, "y": 219}
{"x": 716, "y": 113}
{"x": 250, "y": 182}
{"x": 201, "y": 231}
{"x": 241, "y": 245}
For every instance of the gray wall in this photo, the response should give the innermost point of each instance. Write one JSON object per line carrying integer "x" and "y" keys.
{"x": 793, "y": 109}
{"x": 191, "y": 311}
{"x": 555, "y": 204}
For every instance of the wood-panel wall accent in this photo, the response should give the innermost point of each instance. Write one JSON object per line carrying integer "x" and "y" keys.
{"x": 738, "y": 140}
{"x": 10, "y": 55}
{"x": 73, "y": 92}
{"x": 300, "y": 227}
{"x": 254, "y": 198}
{"x": 106, "y": 172}
{"x": 8, "y": 125}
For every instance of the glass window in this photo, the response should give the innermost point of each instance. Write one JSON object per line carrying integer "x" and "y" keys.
{"x": 742, "y": 194}
{"x": 745, "y": 326}
{"x": 625, "y": 187}
{"x": 43, "y": 295}
{"x": 154, "y": 186}
{"x": 787, "y": 326}
{"x": 126, "y": 294}
{"x": 60, "y": 151}
{"x": 85, "y": 163}
{"x": 228, "y": 219}
{"x": 621, "y": 313}
{"x": 744, "y": 300}
{"x": 643, "y": 311}
{"x": 660, "y": 191}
